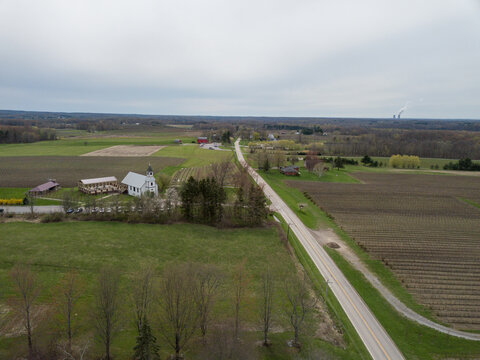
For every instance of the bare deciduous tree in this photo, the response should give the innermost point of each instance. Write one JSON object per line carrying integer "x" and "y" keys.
{"x": 267, "y": 304}
{"x": 240, "y": 285}
{"x": 68, "y": 200}
{"x": 223, "y": 345}
{"x": 207, "y": 281}
{"x": 31, "y": 203}
{"x": 142, "y": 295}
{"x": 28, "y": 289}
{"x": 300, "y": 303}
{"x": 68, "y": 354}
{"x": 106, "y": 309}
{"x": 66, "y": 296}
{"x": 178, "y": 312}
{"x": 220, "y": 170}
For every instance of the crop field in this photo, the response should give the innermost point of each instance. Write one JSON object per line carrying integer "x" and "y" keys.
{"x": 126, "y": 150}
{"x": 30, "y": 171}
{"x": 420, "y": 227}
{"x": 184, "y": 174}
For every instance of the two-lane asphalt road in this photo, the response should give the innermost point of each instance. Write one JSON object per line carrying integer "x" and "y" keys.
{"x": 373, "y": 335}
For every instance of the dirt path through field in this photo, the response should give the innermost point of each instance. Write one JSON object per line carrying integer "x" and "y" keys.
{"x": 126, "y": 150}
{"x": 326, "y": 236}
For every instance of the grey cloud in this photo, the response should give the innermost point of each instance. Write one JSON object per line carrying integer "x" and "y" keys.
{"x": 305, "y": 58}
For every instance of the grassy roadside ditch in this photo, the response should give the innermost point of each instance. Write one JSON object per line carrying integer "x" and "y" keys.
{"x": 355, "y": 347}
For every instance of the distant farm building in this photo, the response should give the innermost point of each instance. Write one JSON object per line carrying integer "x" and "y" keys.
{"x": 290, "y": 170}
{"x": 271, "y": 137}
{"x": 202, "y": 140}
{"x": 177, "y": 141}
{"x": 99, "y": 185}
{"x": 44, "y": 188}
{"x": 138, "y": 184}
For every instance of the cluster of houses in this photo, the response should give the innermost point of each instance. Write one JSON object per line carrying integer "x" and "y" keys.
{"x": 134, "y": 184}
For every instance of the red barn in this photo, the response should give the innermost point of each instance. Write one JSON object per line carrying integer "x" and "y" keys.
{"x": 202, "y": 140}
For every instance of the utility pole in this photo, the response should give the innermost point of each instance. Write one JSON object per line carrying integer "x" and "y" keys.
{"x": 326, "y": 291}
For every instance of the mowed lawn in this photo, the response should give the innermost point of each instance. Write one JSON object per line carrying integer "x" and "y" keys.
{"x": 85, "y": 247}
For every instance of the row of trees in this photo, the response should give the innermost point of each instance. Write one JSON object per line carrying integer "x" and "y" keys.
{"x": 25, "y": 134}
{"x": 404, "y": 161}
{"x": 179, "y": 306}
{"x": 463, "y": 164}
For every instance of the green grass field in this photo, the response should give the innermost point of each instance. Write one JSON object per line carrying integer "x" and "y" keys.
{"x": 54, "y": 249}
{"x": 81, "y": 145}
{"x": 194, "y": 156}
{"x": 19, "y": 193}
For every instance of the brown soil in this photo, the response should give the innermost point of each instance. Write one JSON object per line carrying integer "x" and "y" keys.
{"x": 125, "y": 150}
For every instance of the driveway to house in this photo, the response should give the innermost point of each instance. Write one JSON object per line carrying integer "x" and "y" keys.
{"x": 373, "y": 335}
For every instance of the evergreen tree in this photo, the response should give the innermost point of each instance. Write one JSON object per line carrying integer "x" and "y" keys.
{"x": 146, "y": 348}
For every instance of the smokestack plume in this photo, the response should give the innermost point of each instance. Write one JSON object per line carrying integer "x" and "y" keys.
{"x": 405, "y": 107}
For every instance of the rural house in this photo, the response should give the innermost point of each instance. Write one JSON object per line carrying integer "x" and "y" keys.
{"x": 202, "y": 140}
{"x": 42, "y": 189}
{"x": 290, "y": 170}
{"x": 138, "y": 184}
{"x": 98, "y": 185}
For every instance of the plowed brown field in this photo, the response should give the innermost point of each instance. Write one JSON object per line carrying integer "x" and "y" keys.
{"x": 30, "y": 171}
{"x": 418, "y": 226}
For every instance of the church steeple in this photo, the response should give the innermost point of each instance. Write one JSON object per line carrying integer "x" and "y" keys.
{"x": 149, "y": 170}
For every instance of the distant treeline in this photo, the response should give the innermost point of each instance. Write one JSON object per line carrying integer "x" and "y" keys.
{"x": 24, "y": 134}
{"x": 423, "y": 143}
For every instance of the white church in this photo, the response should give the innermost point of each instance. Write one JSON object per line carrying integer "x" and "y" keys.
{"x": 138, "y": 184}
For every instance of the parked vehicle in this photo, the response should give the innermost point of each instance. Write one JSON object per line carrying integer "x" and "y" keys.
{"x": 70, "y": 211}
{"x": 79, "y": 210}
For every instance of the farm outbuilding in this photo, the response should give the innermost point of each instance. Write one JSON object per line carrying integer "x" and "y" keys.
{"x": 44, "y": 188}
{"x": 99, "y": 185}
{"x": 177, "y": 141}
{"x": 202, "y": 140}
{"x": 290, "y": 170}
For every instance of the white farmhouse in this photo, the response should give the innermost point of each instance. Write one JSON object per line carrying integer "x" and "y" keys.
{"x": 137, "y": 184}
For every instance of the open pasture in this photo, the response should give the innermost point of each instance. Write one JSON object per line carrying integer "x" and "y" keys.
{"x": 29, "y": 171}
{"x": 420, "y": 228}
{"x": 193, "y": 155}
{"x": 85, "y": 247}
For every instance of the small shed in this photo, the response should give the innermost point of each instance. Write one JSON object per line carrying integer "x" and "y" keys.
{"x": 44, "y": 188}
{"x": 290, "y": 170}
{"x": 177, "y": 141}
{"x": 202, "y": 140}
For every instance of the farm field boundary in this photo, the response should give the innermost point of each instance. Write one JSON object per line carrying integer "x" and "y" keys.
{"x": 30, "y": 171}
{"x": 416, "y": 226}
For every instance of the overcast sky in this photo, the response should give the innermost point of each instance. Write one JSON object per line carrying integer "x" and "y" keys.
{"x": 259, "y": 57}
